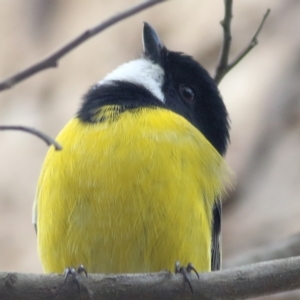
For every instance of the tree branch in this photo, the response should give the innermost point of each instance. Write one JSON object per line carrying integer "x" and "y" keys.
{"x": 51, "y": 61}
{"x": 47, "y": 139}
{"x": 239, "y": 283}
{"x": 223, "y": 66}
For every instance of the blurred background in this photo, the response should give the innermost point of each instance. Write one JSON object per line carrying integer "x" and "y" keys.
{"x": 262, "y": 96}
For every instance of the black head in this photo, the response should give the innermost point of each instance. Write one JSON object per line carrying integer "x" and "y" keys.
{"x": 189, "y": 90}
{"x": 164, "y": 79}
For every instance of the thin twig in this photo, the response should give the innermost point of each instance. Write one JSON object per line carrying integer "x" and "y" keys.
{"x": 252, "y": 44}
{"x": 223, "y": 66}
{"x": 47, "y": 139}
{"x": 225, "y": 50}
{"x": 52, "y": 60}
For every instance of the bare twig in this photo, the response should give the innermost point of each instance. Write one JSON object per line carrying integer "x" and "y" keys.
{"x": 225, "y": 50}
{"x": 52, "y": 60}
{"x": 251, "y": 45}
{"x": 47, "y": 139}
{"x": 239, "y": 283}
{"x": 223, "y": 66}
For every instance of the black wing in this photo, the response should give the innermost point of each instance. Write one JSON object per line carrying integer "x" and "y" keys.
{"x": 216, "y": 236}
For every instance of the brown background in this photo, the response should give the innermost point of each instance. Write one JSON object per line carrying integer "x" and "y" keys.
{"x": 261, "y": 93}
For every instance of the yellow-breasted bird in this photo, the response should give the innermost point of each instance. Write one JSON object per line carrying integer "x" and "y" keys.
{"x": 138, "y": 182}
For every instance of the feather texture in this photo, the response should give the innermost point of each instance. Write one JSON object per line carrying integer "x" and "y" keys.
{"x": 132, "y": 193}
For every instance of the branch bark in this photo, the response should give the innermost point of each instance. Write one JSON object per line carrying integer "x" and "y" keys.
{"x": 239, "y": 283}
{"x": 51, "y": 61}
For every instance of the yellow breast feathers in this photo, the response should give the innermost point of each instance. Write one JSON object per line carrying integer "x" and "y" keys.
{"x": 132, "y": 192}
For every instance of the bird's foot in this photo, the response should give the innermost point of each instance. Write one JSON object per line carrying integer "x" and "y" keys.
{"x": 185, "y": 271}
{"x": 72, "y": 272}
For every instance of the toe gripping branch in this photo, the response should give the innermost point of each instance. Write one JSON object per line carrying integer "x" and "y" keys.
{"x": 72, "y": 272}
{"x": 185, "y": 271}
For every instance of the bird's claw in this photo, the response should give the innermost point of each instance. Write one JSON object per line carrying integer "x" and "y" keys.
{"x": 74, "y": 274}
{"x": 185, "y": 271}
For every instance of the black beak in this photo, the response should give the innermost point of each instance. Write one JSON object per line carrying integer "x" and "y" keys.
{"x": 151, "y": 43}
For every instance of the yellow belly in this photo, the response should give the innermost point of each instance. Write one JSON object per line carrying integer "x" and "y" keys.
{"x": 131, "y": 194}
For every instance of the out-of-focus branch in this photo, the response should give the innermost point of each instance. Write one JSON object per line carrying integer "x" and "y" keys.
{"x": 223, "y": 65}
{"x": 238, "y": 283}
{"x": 280, "y": 249}
{"x": 51, "y": 61}
{"x": 47, "y": 139}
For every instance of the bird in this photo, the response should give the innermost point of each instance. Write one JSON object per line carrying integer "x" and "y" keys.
{"x": 137, "y": 186}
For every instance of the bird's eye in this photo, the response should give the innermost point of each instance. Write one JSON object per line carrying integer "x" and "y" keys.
{"x": 187, "y": 93}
